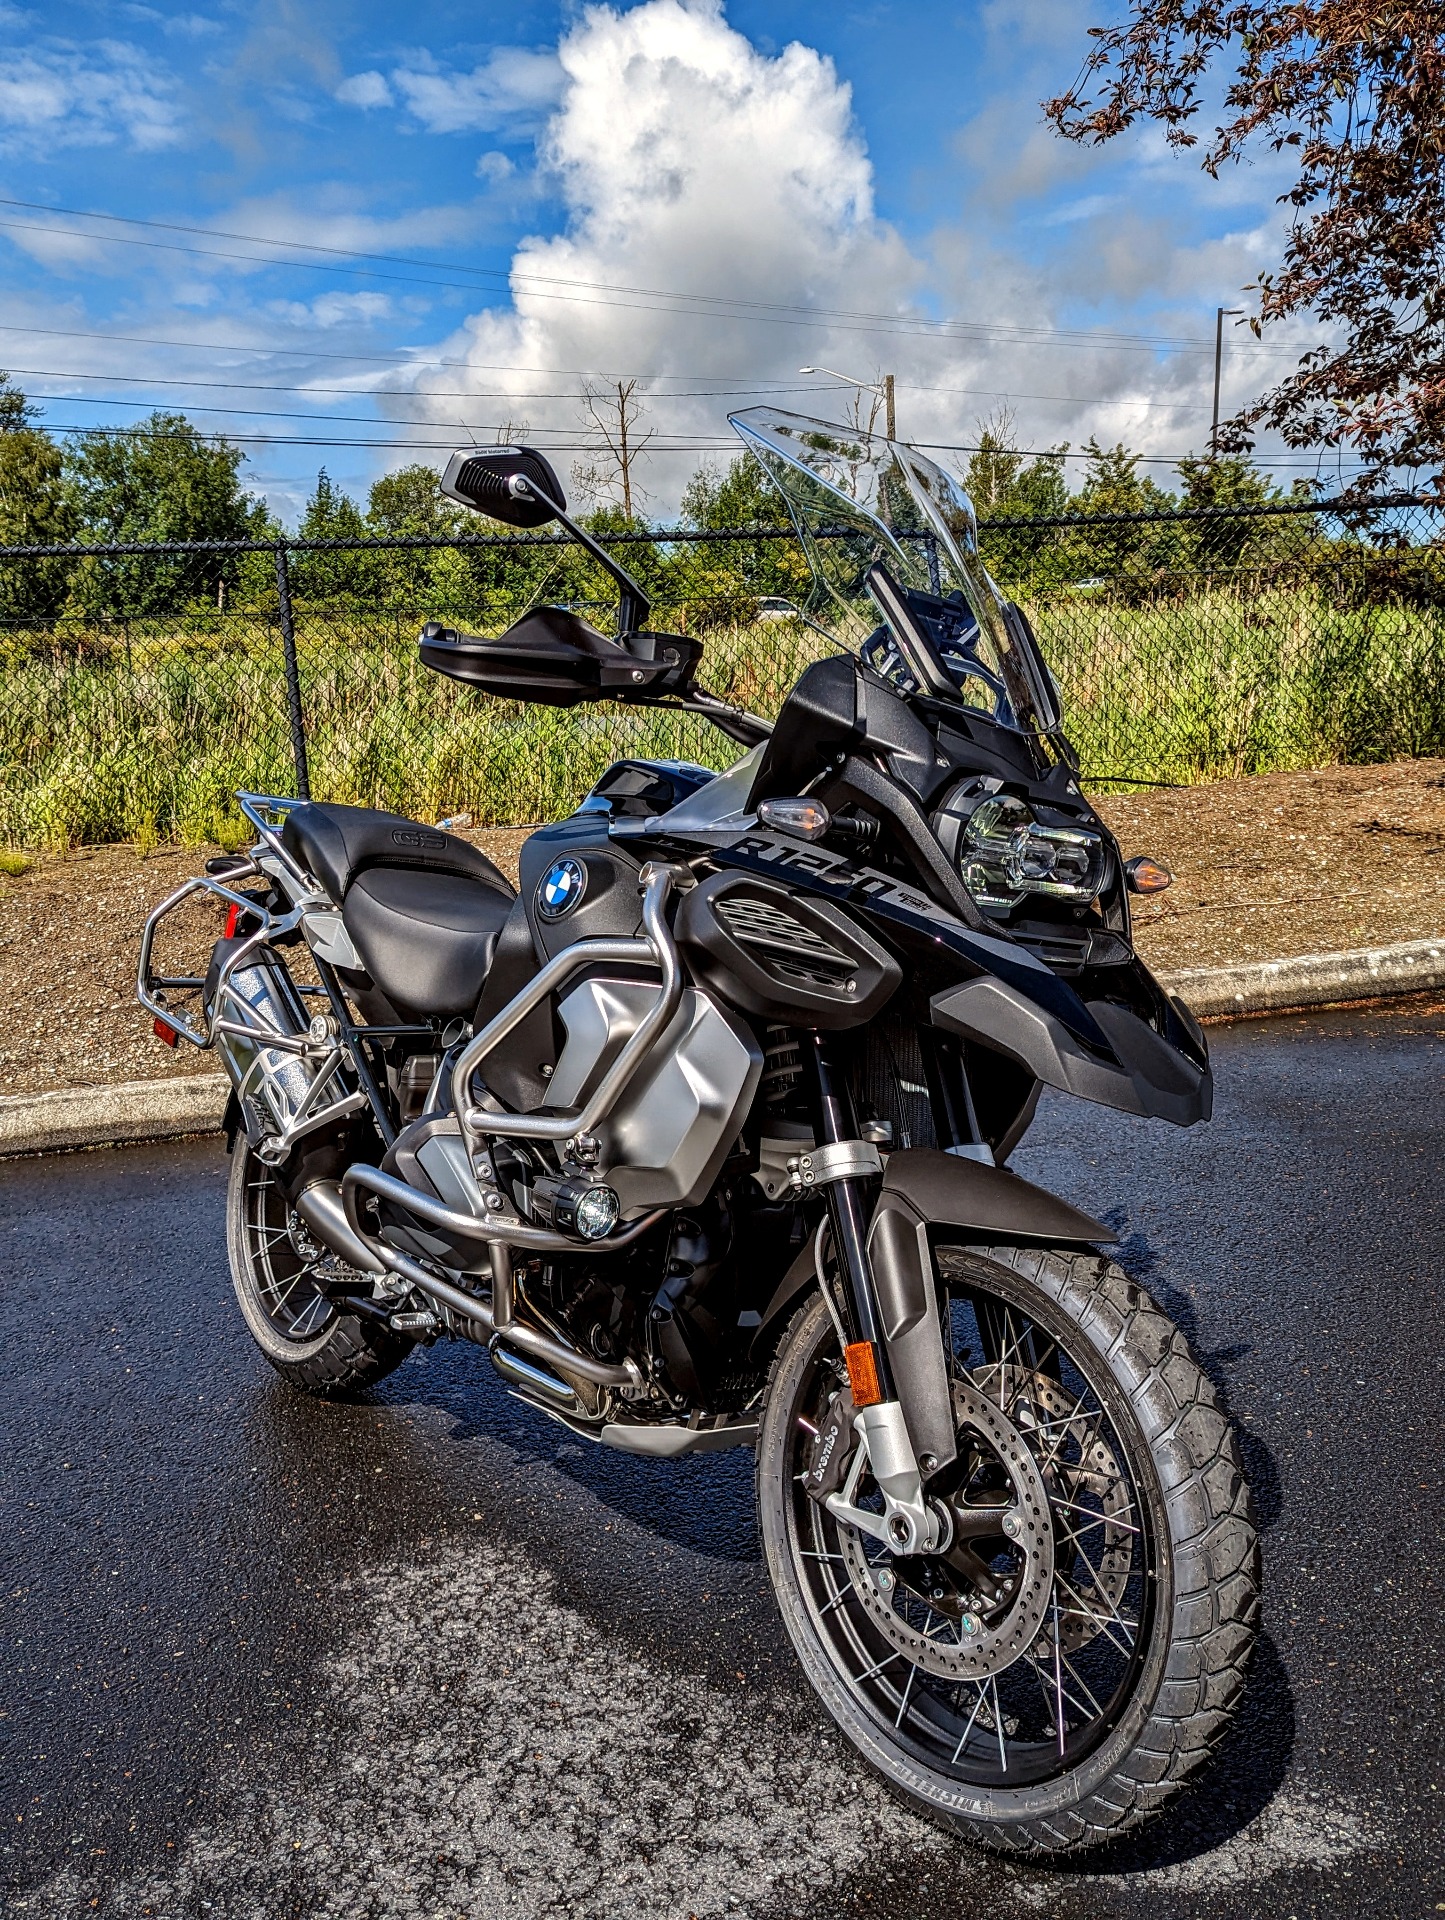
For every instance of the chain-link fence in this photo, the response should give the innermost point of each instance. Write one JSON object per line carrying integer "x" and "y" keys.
{"x": 143, "y": 684}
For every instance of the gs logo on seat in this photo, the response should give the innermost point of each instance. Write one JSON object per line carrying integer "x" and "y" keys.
{"x": 561, "y": 888}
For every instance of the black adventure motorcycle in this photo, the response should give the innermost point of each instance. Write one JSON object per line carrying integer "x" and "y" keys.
{"x": 701, "y": 1135}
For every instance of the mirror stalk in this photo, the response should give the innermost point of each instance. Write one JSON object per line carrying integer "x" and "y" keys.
{"x": 633, "y": 606}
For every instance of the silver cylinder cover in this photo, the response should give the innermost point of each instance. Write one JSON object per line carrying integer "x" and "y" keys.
{"x": 669, "y": 1133}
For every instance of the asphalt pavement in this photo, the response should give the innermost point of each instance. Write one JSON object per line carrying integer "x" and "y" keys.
{"x": 428, "y": 1655}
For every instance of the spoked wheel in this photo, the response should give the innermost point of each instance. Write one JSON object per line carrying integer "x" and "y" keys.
{"x": 281, "y": 1277}
{"x": 1070, "y": 1656}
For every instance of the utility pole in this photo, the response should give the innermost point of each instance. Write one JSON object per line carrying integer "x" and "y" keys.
{"x": 1219, "y": 313}
{"x": 888, "y": 413}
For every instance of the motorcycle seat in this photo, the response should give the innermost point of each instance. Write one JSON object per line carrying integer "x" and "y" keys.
{"x": 425, "y": 938}
{"x": 335, "y": 844}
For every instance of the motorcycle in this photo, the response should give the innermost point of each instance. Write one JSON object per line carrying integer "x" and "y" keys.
{"x": 702, "y": 1133}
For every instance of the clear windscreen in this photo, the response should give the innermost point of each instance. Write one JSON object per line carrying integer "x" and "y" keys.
{"x": 892, "y": 543}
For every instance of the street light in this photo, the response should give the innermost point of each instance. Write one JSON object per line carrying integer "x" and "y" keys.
{"x": 1219, "y": 313}
{"x": 874, "y": 386}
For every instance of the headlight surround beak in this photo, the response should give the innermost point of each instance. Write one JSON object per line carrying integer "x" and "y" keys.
{"x": 1007, "y": 852}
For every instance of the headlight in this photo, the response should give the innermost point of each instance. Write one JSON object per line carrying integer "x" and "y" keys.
{"x": 1005, "y": 853}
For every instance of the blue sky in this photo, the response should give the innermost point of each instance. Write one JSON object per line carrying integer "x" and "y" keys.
{"x": 422, "y": 226}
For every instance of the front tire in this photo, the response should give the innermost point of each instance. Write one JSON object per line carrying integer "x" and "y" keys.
{"x": 1037, "y": 1695}
{"x": 309, "y": 1341}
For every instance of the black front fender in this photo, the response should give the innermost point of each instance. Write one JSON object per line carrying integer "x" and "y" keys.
{"x": 922, "y": 1192}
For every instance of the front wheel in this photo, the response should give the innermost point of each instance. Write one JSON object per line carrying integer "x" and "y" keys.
{"x": 1056, "y": 1674}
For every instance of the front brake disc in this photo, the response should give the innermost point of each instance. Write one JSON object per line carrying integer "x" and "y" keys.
{"x": 971, "y": 1641}
{"x": 1082, "y": 1468}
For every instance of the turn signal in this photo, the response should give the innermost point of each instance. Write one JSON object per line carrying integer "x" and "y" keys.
{"x": 804, "y": 819}
{"x": 862, "y": 1364}
{"x": 1143, "y": 875}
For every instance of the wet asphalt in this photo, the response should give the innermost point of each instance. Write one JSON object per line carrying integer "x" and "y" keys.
{"x": 428, "y": 1655}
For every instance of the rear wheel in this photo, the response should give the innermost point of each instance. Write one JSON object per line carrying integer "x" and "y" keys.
{"x": 280, "y": 1279}
{"x": 1069, "y": 1661}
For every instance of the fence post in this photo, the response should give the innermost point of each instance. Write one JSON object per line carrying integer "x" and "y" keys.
{"x": 293, "y": 674}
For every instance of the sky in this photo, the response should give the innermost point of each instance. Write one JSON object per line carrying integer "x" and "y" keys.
{"x": 356, "y": 236}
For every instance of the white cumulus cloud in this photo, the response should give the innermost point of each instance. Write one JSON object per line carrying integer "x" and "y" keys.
{"x": 688, "y": 161}
{"x": 512, "y": 85}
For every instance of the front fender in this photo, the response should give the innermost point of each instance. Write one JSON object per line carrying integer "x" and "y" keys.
{"x": 923, "y": 1191}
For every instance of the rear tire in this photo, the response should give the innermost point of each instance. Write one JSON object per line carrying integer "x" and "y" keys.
{"x": 308, "y": 1340}
{"x": 1153, "y": 1487}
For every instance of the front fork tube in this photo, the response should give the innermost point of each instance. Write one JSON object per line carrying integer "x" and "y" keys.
{"x": 848, "y": 1219}
{"x": 909, "y": 1523}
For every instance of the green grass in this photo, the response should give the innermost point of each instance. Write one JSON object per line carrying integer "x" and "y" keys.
{"x": 143, "y": 734}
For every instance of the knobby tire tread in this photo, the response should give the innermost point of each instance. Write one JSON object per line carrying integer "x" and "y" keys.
{"x": 1214, "y": 1547}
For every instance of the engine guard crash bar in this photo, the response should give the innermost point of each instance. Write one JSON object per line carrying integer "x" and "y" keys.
{"x": 496, "y": 1317}
{"x": 657, "y": 948}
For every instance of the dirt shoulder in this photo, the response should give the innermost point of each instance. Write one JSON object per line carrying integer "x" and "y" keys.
{"x": 1283, "y": 864}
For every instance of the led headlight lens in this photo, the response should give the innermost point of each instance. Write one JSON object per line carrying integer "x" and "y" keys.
{"x": 1005, "y": 853}
{"x": 596, "y": 1212}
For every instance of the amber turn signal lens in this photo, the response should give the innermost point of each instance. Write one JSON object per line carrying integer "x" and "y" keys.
{"x": 1143, "y": 875}
{"x": 862, "y": 1365}
{"x": 804, "y": 819}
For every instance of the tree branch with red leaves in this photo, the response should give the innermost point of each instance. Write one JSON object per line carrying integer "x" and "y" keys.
{"x": 1356, "y": 92}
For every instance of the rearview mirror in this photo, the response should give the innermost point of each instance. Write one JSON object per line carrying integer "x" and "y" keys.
{"x": 512, "y": 484}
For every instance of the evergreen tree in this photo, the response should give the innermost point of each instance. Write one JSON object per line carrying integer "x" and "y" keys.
{"x": 340, "y": 574}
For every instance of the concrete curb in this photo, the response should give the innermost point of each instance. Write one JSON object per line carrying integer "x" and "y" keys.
{"x": 1312, "y": 979}
{"x": 112, "y": 1116}
{"x": 168, "y": 1109}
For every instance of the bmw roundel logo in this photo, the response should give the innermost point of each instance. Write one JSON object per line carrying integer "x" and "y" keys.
{"x": 561, "y": 888}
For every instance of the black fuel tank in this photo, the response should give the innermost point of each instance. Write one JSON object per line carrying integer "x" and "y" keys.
{"x": 578, "y": 885}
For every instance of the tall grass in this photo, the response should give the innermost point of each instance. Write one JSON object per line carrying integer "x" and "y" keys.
{"x": 142, "y": 733}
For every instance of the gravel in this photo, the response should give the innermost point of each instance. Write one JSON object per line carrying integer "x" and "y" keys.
{"x": 1285, "y": 863}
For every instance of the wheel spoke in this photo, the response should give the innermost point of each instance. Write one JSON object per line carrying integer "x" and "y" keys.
{"x": 1094, "y": 1519}
{"x": 838, "y": 1598}
{"x": 907, "y": 1689}
{"x": 1058, "y": 1679}
{"x": 963, "y": 1737}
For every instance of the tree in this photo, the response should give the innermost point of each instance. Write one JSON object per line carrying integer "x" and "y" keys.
{"x": 410, "y": 504}
{"x": 722, "y": 580}
{"x": 1004, "y": 482}
{"x": 411, "y": 501}
{"x": 738, "y": 495}
{"x": 1114, "y": 484}
{"x": 160, "y": 480}
{"x": 35, "y": 511}
{"x": 16, "y": 412}
{"x": 344, "y": 573}
{"x": 1355, "y": 92}
{"x": 611, "y": 415}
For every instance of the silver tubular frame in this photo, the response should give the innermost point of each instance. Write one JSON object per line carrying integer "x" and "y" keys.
{"x": 656, "y": 948}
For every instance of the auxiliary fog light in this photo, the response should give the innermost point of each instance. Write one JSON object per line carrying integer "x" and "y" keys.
{"x": 595, "y": 1212}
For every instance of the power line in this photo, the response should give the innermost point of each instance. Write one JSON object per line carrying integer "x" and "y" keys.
{"x": 404, "y": 393}
{"x": 671, "y": 444}
{"x": 652, "y": 395}
{"x": 545, "y": 286}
